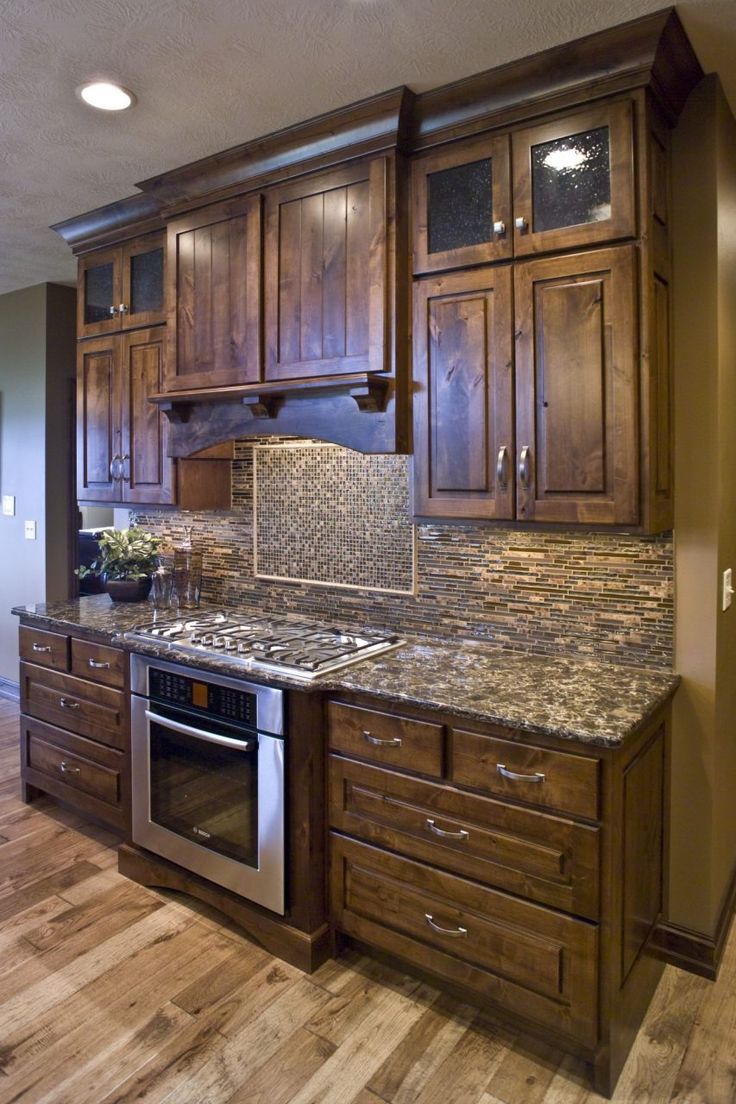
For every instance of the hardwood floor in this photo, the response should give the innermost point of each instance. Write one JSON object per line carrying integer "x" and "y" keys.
{"x": 111, "y": 993}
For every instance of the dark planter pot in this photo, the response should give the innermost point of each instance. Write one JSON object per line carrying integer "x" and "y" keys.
{"x": 128, "y": 590}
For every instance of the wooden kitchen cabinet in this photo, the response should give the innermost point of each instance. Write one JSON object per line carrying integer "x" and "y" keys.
{"x": 577, "y": 391}
{"x": 121, "y": 288}
{"x": 213, "y": 296}
{"x": 464, "y": 395}
{"x": 326, "y": 275}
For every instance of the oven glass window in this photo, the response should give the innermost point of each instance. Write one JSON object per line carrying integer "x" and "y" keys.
{"x": 205, "y": 793}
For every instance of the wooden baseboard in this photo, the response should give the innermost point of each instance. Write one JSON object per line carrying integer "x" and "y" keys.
{"x": 9, "y": 689}
{"x": 697, "y": 952}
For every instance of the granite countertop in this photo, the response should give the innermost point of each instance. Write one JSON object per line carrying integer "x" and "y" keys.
{"x": 570, "y": 697}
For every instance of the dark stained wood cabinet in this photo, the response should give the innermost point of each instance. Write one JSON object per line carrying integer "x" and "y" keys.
{"x": 463, "y": 399}
{"x": 213, "y": 294}
{"x": 99, "y": 438}
{"x": 122, "y": 287}
{"x": 326, "y": 273}
{"x": 577, "y": 388}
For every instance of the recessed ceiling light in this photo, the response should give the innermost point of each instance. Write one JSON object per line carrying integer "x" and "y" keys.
{"x": 106, "y": 96}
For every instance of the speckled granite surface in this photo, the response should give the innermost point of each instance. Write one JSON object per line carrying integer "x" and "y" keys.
{"x": 568, "y": 697}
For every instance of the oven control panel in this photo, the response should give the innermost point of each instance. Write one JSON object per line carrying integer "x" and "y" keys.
{"x": 225, "y": 702}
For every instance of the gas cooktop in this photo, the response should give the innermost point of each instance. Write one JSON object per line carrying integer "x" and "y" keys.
{"x": 285, "y": 645}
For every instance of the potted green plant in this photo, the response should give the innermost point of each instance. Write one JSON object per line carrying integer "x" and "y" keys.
{"x": 127, "y": 560}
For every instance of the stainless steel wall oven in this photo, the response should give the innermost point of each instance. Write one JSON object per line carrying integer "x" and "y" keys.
{"x": 208, "y": 776}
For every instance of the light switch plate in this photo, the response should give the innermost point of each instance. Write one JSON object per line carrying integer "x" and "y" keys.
{"x": 30, "y": 530}
{"x": 727, "y": 593}
{"x": 9, "y": 505}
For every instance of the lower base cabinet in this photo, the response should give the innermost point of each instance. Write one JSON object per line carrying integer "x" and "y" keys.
{"x": 524, "y": 873}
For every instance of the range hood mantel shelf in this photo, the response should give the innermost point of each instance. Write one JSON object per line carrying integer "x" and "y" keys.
{"x": 368, "y": 390}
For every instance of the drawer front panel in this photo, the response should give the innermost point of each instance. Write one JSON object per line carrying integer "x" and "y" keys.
{"x": 384, "y": 738}
{"x": 98, "y": 663}
{"x": 533, "y": 854}
{"x": 526, "y": 773}
{"x": 83, "y": 707}
{"x": 47, "y": 649}
{"x": 537, "y": 963}
{"x": 80, "y": 774}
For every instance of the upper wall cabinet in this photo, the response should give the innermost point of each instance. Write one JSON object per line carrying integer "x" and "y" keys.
{"x": 121, "y": 288}
{"x": 326, "y": 275}
{"x": 573, "y": 180}
{"x": 462, "y": 205}
{"x": 213, "y": 296}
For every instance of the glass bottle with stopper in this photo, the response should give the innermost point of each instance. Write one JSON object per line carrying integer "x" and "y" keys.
{"x": 187, "y": 571}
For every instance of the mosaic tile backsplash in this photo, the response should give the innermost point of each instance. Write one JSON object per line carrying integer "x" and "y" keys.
{"x": 317, "y": 517}
{"x": 594, "y": 594}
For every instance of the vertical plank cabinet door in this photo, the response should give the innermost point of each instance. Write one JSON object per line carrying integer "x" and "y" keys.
{"x": 574, "y": 180}
{"x": 147, "y": 469}
{"x": 577, "y": 389}
{"x": 461, "y": 203}
{"x": 213, "y": 296}
{"x": 99, "y": 292}
{"x": 99, "y": 451}
{"x": 142, "y": 269}
{"x": 326, "y": 273}
{"x": 463, "y": 398}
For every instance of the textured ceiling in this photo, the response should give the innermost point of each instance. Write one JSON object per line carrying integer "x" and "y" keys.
{"x": 211, "y": 75}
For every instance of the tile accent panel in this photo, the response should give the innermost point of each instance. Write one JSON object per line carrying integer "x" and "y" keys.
{"x": 609, "y": 596}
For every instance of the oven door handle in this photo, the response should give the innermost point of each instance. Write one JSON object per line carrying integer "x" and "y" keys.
{"x": 209, "y": 737}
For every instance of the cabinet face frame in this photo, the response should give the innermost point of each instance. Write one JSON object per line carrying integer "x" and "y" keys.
{"x": 93, "y": 260}
{"x": 462, "y": 153}
{"x": 492, "y": 286}
{"x": 617, "y": 502}
{"x": 137, "y": 439}
{"x": 130, "y": 250}
{"x": 91, "y": 412}
{"x": 376, "y": 357}
{"x": 239, "y": 285}
{"x": 618, "y": 117}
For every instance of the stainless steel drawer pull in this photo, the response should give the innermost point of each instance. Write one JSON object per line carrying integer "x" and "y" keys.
{"x": 456, "y": 933}
{"x": 41, "y": 647}
{"x": 370, "y": 739}
{"x": 461, "y": 835}
{"x": 66, "y": 768}
{"x": 65, "y": 703}
{"x": 96, "y": 666}
{"x": 536, "y": 777}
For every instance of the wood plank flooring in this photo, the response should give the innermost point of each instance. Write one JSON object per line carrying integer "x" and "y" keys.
{"x": 112, "y": 994}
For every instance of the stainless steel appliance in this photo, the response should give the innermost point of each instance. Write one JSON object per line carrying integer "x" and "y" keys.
{"x": 208, "y": 776}
{"x": 284, "y": 645}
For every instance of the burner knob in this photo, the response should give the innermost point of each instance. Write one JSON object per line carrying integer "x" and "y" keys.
{"x": 218, "y": 641}
{"x": 229, "y": 644}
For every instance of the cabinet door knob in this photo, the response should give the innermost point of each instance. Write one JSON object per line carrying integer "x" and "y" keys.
{"x": 499, "y": 228}
{"x": 536, "y": 777}
{"x": 521, "y": 224}
{"x": 371, "y": 739}
{"x": 125, "y": 462}
{"x": 524, "y": 465}
{"x": 123, "y": 308}
{"x": 502, "y": 474}
{"x": 454, "y": 932}
{"x": 67, "y": 768}
{"x": 115, "y": 467}
{"x": 113, "y": 311}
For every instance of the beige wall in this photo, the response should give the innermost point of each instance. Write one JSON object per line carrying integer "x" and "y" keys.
{"x": 703, "y": 838}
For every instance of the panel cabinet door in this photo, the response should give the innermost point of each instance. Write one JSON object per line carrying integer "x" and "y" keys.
{"x": 142, "y": 275}
{"x": 326, "y": 273}
{"x": 213, "y": 296}
{"x": 463, "y": 398}
{"x": 99, "y": 293}
{"x": 574, "y": 180}
{"x": 577, "y": 389}
{"x": 461, "y": 202}
{"x": 99, "y": 465}
{"x": 147, "y": 469}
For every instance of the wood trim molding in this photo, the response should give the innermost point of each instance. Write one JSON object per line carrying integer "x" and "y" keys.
{"x": 695, "y": 951}
{"x": 126, "y": 218}
{"x": 9, "y": 689}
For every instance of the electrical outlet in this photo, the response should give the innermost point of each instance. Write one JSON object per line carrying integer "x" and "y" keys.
{"x": 30, "y": 530}
{"x": 9, "y": 505}
{"x": 727, "y": 592}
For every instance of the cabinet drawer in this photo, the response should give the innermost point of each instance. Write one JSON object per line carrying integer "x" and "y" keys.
{"x": 532, "y": 854}
{"x": 530, "y": 960}
{"x": 543, "y": 777}
{"x": 98, "y": 663}
{"x": 84, "y": 707}
{"x": 48, "y": 649}
{"x": 386, "y": 738}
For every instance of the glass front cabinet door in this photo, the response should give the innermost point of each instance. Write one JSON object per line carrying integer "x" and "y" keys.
{"x": 574, "y": 180}
{"x": 462, "y": 205}
{"x": 121, "y": 288}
